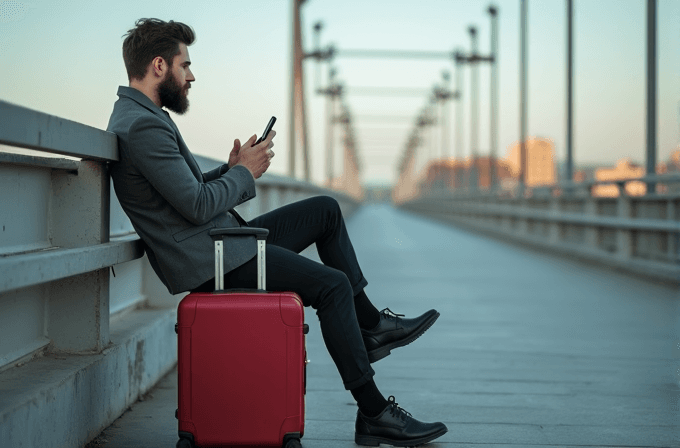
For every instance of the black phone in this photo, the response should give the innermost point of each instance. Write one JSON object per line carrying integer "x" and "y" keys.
{"x": 269, "y": 127}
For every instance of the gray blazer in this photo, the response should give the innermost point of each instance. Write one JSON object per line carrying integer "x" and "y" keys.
{"x": 170, "y": 202}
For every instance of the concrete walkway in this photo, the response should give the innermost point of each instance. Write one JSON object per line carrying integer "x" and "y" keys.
{"x": 529, "y": 351}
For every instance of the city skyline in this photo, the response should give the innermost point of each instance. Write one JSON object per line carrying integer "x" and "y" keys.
{"x": 64, "y": 59}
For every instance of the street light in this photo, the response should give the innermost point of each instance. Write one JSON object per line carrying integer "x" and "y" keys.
{"x": 474, "y": 108}
{"x": 493, "y": 119}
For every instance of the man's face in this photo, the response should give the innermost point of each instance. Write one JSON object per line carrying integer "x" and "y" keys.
{"x": 173, "y": 91}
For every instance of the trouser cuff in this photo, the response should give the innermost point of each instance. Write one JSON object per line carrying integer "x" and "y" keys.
{"x": 359, "y": 286}
{"x": 365, "y": 378}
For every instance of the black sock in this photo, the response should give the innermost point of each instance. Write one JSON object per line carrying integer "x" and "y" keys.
{"x": 370, "y": 400}
{"x": 367, "y": 314}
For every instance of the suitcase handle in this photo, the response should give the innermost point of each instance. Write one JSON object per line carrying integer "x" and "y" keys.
{"x": 218, "y": 235}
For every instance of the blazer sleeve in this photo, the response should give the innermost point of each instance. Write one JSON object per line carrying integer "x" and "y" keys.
{"x": 155, "y": 152}
{"x": 214, "y": 174}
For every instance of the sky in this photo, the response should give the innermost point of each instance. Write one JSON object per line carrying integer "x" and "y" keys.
{"x": 63, "y": 57}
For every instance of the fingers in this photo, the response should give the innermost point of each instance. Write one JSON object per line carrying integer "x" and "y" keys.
{"x": 237, "y": 145}
{"x": 262, "y": 168}
{"x": 271, "y": 135}
{"x": 251, "y": 141}
{"x": 267, "y": 142}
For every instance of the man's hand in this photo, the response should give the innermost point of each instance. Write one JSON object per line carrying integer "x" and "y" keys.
{"x": 256, "y": 158}
{"x": 234, "y": 154}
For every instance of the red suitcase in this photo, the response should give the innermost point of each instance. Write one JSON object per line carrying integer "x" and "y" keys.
{"x": 241, "y": 362}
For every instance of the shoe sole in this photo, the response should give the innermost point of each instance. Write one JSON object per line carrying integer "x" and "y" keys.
{"x": 376, "y": 441}
{"x": 382, "y": 352}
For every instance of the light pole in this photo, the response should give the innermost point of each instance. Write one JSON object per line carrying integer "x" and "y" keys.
{"x": 651, "y": 94}
{"x": 330, "y": 112}
{"x": 570, "y": 91}
{"x": 460, "y": 60}
{"x": 493, "y": 119}
{"x": 318, "y": 26}
{"x": 523, "y": 97}
{"x": 474, "y": 108}
{"x": 446, "y": 76}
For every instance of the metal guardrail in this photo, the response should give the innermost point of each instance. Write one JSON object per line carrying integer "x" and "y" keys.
{"x": 584, "y": 188}
{"x": 55, "y": 241}
{"x": 638, "y": 234}
{"x": 26, "y": 128}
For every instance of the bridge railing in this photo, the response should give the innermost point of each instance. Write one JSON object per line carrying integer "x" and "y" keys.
{"x": 55, "y": 241}
{"x": 74, "y": 281}
{"x": 638, "y": 234}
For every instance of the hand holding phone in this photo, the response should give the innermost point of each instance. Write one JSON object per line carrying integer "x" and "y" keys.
{"x": 257, "y": 160}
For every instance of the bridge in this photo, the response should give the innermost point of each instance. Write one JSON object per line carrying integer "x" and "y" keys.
{"x": 532, "y": 349}
{"x": 560, "y": 306}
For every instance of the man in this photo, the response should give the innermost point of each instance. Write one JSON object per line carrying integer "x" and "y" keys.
{"x": 173, "y": 205}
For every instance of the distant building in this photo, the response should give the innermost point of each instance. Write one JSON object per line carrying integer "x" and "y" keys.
{"x": 443, "y": 174}
{"x": 542, "y": 171}
{"x": 452, "y": 173}
{"x": 672, "y": 166}
{"x": 623, "y": 170}
{"x": 584, "y": 173}
{"x": 626, "y": 170}
{"x": 540, "y": 166}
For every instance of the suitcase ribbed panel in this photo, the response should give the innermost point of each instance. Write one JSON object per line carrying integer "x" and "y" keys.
{"x": 241, "y": 367}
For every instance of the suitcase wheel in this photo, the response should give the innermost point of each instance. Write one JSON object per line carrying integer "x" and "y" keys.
{"x": 292, "y": 440}
{"x": 292, "y": 443}
{"x": 184, "y": 443}
{"x": 186, "y": 440}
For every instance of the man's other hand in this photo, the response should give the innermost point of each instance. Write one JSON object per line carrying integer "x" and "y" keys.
{"x": 234, "y": 154}
{"x": 256, "y": 158}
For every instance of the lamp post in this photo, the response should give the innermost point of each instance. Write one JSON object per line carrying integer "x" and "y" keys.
{"x": 570, "y": 91}
{"x": 446, "y": 76}
{"x": 493, "y": 97}
{"x": 523, "y": 97}
{"x": 651, "y": 93}
{"x": 318, "y": 26}
{"x": 474, "y": 108}
{"x": 330, "y": 112}
{"x": 460, "y": 60}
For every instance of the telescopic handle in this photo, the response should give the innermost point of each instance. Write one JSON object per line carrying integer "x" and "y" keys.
{"x": 261, "y": 235}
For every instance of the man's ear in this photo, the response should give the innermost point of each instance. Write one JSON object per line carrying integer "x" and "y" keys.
{"x": 159, "y": 66}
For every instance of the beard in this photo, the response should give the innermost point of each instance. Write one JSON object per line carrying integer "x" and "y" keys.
{"x": 172, "y": 95}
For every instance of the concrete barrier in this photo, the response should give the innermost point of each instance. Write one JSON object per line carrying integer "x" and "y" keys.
{"x": 639, "y": 235}
{"x": 86, "y": 327}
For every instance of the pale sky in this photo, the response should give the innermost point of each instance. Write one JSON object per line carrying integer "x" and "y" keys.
{"x": 63, "y": 57}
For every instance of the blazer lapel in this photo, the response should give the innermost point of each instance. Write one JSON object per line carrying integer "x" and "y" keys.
{"x": 184, "y": 150}
{"x": 189, "y": 157}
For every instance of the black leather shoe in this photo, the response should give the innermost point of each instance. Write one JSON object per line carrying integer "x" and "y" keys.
{"x": 395, "y": 426}
{"x": 392, "y": 331}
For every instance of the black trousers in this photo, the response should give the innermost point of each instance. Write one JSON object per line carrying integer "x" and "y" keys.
{"x": 329, "y": 288}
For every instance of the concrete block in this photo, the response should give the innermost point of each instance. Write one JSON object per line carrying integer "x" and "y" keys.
{"x": 78, "y": 310}
{"x": 59, "y": 401}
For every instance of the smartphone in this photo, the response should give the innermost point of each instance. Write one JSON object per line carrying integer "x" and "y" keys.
{"x": 269, "y": 127}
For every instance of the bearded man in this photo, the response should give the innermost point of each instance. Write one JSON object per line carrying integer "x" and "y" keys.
{"x": 173, "y": 206}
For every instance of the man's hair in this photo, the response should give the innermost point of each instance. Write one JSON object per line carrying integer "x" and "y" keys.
{"x": 151, "y": 38}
